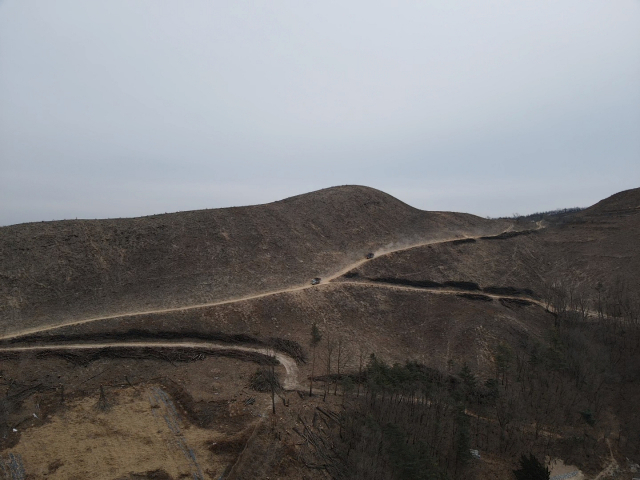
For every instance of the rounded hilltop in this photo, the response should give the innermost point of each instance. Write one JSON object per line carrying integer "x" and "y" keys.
{"x": 621, "y": 202}
{"x": 76, "y": 268}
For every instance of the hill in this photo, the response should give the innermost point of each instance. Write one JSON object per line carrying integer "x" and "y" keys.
{"x": 150, "y": 342}
{"x": 595, "y": 246}
{"x": 621, "y": 203}
{"x": 52, "y": 271}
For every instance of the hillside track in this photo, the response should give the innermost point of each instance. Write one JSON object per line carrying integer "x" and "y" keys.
{"x": 440, "y": 291}
{"x": 289, "y": 364}
{"x": 337, "y": 274}
{"x": 291, "y": 380}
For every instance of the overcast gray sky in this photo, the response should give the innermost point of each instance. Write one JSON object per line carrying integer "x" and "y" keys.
{"x": 125, "y": 108}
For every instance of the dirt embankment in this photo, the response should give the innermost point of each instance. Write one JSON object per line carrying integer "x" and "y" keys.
{"x": 141, "y": 336}
{"x": 85, "y": 353}
{"x": 395, "y": 323}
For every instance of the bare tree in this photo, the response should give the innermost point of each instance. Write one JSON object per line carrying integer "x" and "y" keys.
{"x": 273, "y": 379}
{"x": 343, "y": 357}
{"x": 103, "y": 404}
{"x": 598, "y": 301}
{"x": 266, "y": 379}
{"x": 330, "y": 345}
{"x": 314, "y": 341}
{"x": 362, "y": 354}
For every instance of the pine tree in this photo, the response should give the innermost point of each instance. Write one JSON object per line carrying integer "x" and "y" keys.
{"x": 531, "y": 469}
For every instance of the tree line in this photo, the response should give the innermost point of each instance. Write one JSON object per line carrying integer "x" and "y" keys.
{"x": 552, "y": 396}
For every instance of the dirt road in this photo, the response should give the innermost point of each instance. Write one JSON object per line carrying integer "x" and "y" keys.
{"x": 289, "y": 364}
{"x": 291, "y": 379}
{"x": 441, "y": 291}
{"x": 325, "y": 280}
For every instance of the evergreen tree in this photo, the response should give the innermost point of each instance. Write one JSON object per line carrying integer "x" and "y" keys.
{"x": 469, "y": 383}
{"x": 531, "y": 469}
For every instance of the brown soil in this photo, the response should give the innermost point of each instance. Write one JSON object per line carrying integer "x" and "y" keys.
{"x": 55, "y": 271}
{"x": 170, "y": 315}
{"x": 590, "y": 247}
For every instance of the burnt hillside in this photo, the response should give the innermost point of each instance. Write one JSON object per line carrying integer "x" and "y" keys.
{"x": 72, "y": 269}
{"x": 594, "y": 246}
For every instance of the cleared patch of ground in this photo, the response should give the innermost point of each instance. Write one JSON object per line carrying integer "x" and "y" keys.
{"x": 121, "y": 417}
{"x": 558, "y": 468}
{"x": 138, "y": 430}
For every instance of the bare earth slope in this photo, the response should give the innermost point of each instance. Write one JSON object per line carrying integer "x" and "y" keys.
{"x": 128, "y": 345}
{"x": 596, "y": 245}
{"x": 73, "y": 269}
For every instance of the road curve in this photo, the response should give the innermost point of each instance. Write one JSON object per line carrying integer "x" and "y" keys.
{"x": 289, "y": 364}
{"x": 291, "y": 379}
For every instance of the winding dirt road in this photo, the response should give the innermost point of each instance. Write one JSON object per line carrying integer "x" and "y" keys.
{"x": 324, "y": 281}
{"x": 289, "y": 364}
{"x": 291, "y": 380}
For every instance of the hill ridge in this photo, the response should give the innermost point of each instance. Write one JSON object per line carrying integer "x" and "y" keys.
{"x": 84, "y": 268}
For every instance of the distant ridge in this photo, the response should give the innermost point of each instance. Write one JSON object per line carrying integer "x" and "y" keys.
{"x": 626, "y": 200}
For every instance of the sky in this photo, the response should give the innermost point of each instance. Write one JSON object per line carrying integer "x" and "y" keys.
{"x": 132, "y": 107}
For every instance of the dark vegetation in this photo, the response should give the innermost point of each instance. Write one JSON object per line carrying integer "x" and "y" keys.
{"x": 509, "y": 291}
{"x": 262, "y": 380}
{"x": 476, "y": 296}
{"x": 426, "y": 283}
{"x": 266, "y": 379}
{"x": 464, "y": 240}
{"x": 531, "y": 469}
{"x": 286, "y": 346}
{"x": 555, "y": 216}
{"x": 168, "y": 354}
{"x": 544, "y": 398}
{"x": 203, "y": 413}
{"x": 462, "y": 285}
{"x": 505, "y": 235}
{"x": 515, "y": 302}
{"x": 314, "y": 341}
{"x": 233, "y": 446}
{"x": 404, "y": 421}
{"x": 409, "y": 283}
{"x": 11, "y": 404}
